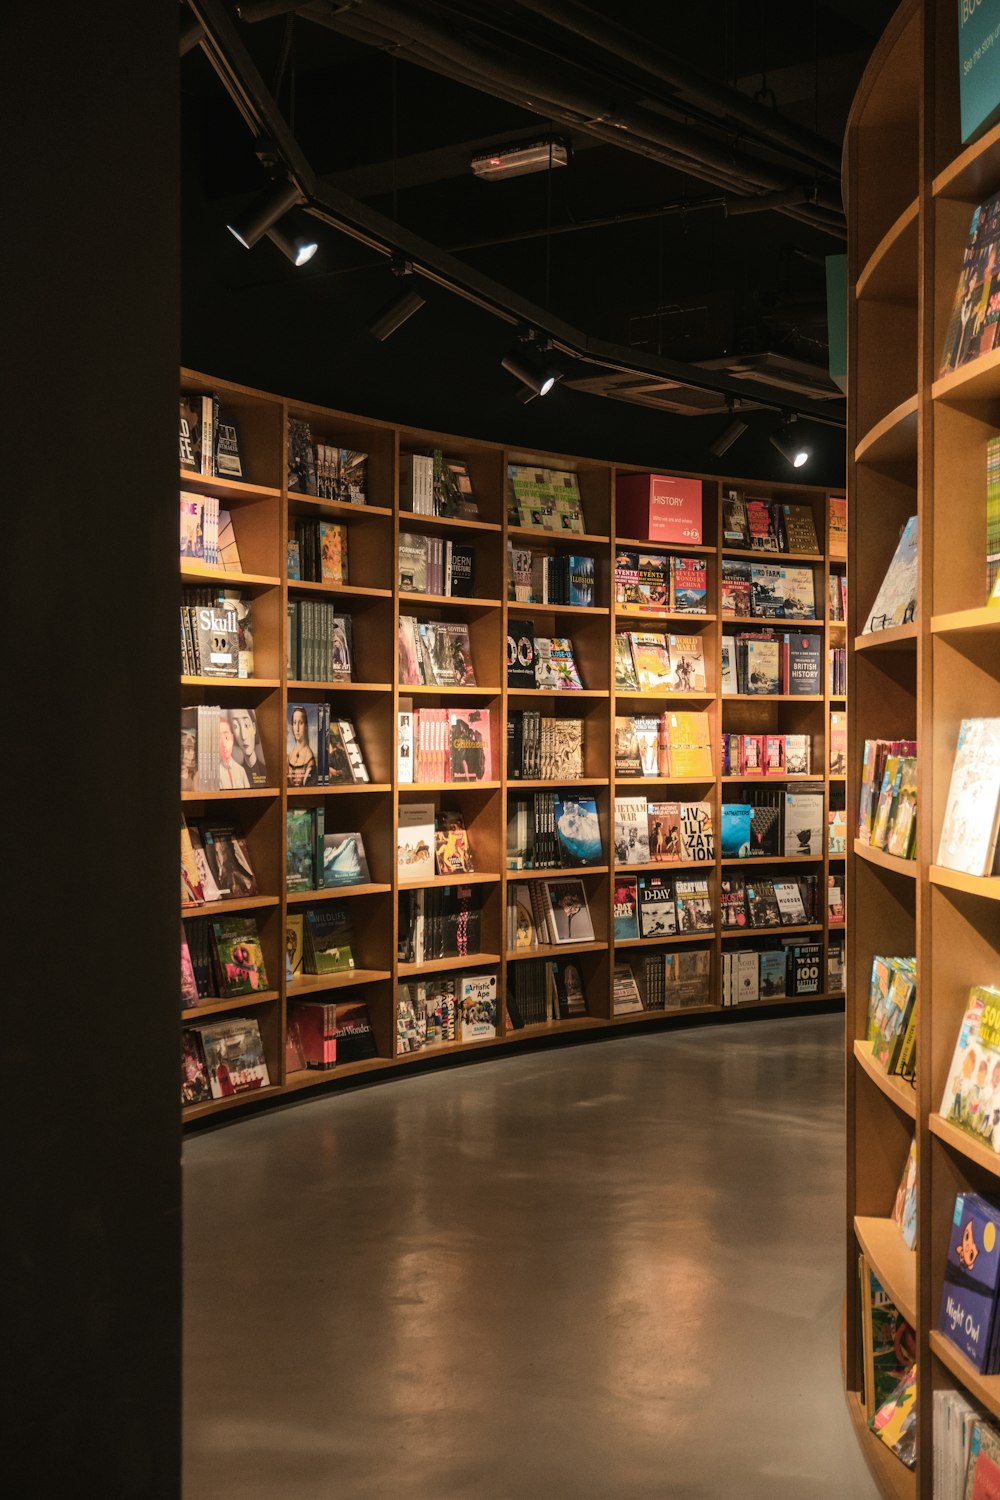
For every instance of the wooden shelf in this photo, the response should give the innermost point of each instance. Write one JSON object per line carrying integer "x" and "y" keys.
{"x": 305, "y": 985}
{"x": 564, "y": 872}
{"x": 215, "y": 1007}
{"x": 897, "y": 638}
{"x": 354, "y": 590}
{"x": 308, "y": 1078}
{"x": 902, "y": 1094}
{"x": 233, "y": 796}
{"x": 965, "y": 1144}
{"x": 895, "y": 1481}
{"x": 193, "y": 572}
{"x": 974, "y": 173}
{"x": 446, "y": 601}
{"x": 219, "y": 1106}
{"x": 893, "y": 440}
{"x": 664, "y": 866}
{"x": 232, "y": 489}
{"x": 442, "y": 880}
{"x": 408, "y": 518}
{"x": 980, "y": 622}
{"x": 774, "y": 859}
{"x": 220, "y": 908}
{"x": 742, "y": 933}
{"x": 772, "y": 780}
{"x": 905, "y": 867}
{"x": 563, "y": 694}
{"x": 677, "y": 549}
{"x": 564, "y": 538}
{"x": 773, "y": 698}
{"x": 559, "y": 609}
{"x": 986, "y": 886}
{"x": 890, "y": 274}
{"x": 340, "y": 791}
{"x": 244, "y": 684}
{"x": 336, "y": 893}
{"x": 708, "y": 936}
{"x": 984, "y": 1389}
{"x": 628, "y": 782}
{"x": 450, "y": 786}
{"x": 774, "y": 622}
{"x": 434, "y": 965}
{"x": 553, "y": 950}
{"x": 759, "y": 554}
{"x": 893, "y": 1264}
{"x": 303, "y": 504}
{"x": 978, "y": 381}
{"x": 407, "y": 690}
{"x": 672, "y": 615}
{"x": 302, "y": 685}
{"x": 536, "y": 783}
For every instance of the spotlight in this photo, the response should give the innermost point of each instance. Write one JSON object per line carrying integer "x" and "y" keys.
{"x": 538, "y": 379}
{"x": 264, "y": 212}
{"x": 791, "y": 450}
{"x": 395, "y": 314}
{"x": 299, "y": 248}
{"x": 726, "y": 439}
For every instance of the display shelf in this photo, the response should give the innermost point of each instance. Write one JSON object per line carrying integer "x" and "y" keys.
{"x": 977, "y": 381}
{"x": 900, "y": 637}
{"x": 772, "y": 780}
{"x": 890, "y": 273}
{"x": 986, "y": 886}
{"x": 984, "y": 1389}
{"x": 741, "y": 934}
{"x": 974, "y": 173}
{"x": 893, "y": 1264}
{"x": 233, "y": 489}
{"x": 664, "y": 866}
{"x": 893, "y": 440}
{"x": 773, "y": 697}
{"x": 216, "y": 1006}
{"x": 192, "y": 572}
{"x": 759, "y": 554}
{"x": 442, "y": 965}
{"x": 981, "y": 622}
{"x": 893, "y": 1478}
{"x": 219, "y": 908}
{"x": 773, "y": 859}
{"x": 902, "y": 1094}
{"x": 263, "y": 521}
{"x": 905, "y": 867}
{"x": 965, "y": 1144}
{"x": 774, "y": 622}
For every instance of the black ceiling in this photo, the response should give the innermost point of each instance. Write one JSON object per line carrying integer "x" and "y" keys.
{"x": 623, "y": 246}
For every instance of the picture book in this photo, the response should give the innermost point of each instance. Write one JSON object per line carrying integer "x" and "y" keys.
{"x": 904, "y": 1210}
{"x": 626, "y": 680}
{"x": 568, "y": 912}
{"x": 688, "y": 585}
{"x": 657, "y": 912}
{"x": 687, "y": 664}
{"x": 631, "y": 831}
{"x": 804, "y": 818}
{"x": 239, "y": 957}
{"x": 329, "y": 940}
{"x": 234, "y": 1056}
{"x": 627, "y": 579}
{"x": 626, "y": 908}
{"x": 628, "y": 761}
{"x": 888, "y": 1342}
{"x": 554, "y": 664}
{"x": 664, "y": 822}
{"x": 693, "y": 905}
{"x": 736, "y": 586}
{"x": 773, "y": 974}
{"x": 969, "y": 828}
{"x": 654, "y": 582}
{"x": 452, "y": 850}
{"x": 477, "y": 1006}
{"x": 415, "y": 841}
{"x": 767, "y": 599}
{"x": 969, "y": 1295}
{"x": 798, "y": 593}
{"x": 294, "y": 946}
{"x": 972, "y": 1090}
{"x": 896, "y": 601}
{"x": 647, "y": 738}
{"x": 578, "y": 830}
{"x": 895, "y": 1422}
{"x": 344, "y": 860}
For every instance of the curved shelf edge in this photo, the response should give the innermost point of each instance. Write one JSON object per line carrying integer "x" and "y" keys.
{"x": 905, "y": 867}
{"x": 892, "y": 1086}
{"x": 893, "y": 1478}
{"x": 966, "y": 1145}
{"x": 973, "y": 173}
{"x": 893, "y": 439}
{"x": 882, "y": 273}
{"x": 894, "y": 1265}
{"x": 985, "y": 1388}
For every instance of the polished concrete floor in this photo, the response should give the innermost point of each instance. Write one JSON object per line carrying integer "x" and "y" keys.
{"x": 607, "y": 1272}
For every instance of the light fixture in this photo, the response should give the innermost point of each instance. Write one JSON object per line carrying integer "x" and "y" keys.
{"x": 791, "y": 450}
{"x": 517, "y": 161}
{"x": 728, "y": 437}
{"x": 264, "y": 212}
{"x": 538, "y": 379}
{"x": 403, "y": 305}
{"x": 299, "y": 248}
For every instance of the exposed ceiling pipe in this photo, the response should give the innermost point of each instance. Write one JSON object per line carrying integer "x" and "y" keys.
{"x": 579, "y": 101}
{"x": 721, "y": 102}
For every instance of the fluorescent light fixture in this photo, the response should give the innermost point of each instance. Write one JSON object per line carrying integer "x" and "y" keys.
{"x": 520, "y": 159}
{"x": 535, "y": 377}
{"x": 395, "y": 314}
{"x": 726, "y": 439}
{"x": 299, "y": 248}
{"x": 791, "y": 450}
{"x": 263, "y": 213}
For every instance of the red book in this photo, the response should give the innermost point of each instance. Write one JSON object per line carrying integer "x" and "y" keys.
{"x": 317, "y": 1027}
{"x": 658, "y": 508}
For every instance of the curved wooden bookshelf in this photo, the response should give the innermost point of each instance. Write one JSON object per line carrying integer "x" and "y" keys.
{"x": 908, "y": 868}
{"x": 974, "y": 173}
{"x": 986, "y": 886}
{"x": 894, "y": 1479}
{"x": 891, "y": 272}
{"x": 979, "y": 380}
{"x": 893, "y": 440}
{"x": 984, "y": 621}
{"x": 899, "y": 638}
{"x": 965, "y": 1144}
{"x": 902, "y": 1094}
{"x": 893, "y": 1264}
{"x": 985, "y": 1389}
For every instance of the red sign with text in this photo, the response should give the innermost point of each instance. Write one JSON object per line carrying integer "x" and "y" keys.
{"x": 659, "y": 508}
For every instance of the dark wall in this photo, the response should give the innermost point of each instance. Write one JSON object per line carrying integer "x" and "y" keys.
{"x": 90, "y": 259}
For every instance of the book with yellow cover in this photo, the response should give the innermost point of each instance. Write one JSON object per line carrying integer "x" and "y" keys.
{"x": 652, "y": 661}
{"x": 690, "y": 740}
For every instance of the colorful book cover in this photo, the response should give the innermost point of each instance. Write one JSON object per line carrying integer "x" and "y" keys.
{"x": 689, "y": 737}
{"x": 344, "y": 860}
{"x": 294, "y": 946}
{"x": 687, "y": 664}
{"x": 579, "y": 830}
{"x": 625, "y": 679}
{"x": 196, "y": 1086}
{"x": 234, "y": 1056}
{"x": 415, "y": 841}
{"x": 766, "y": 596}
{"x": 904, "y": 1211}
{"x": 302, "y": 744}
{"x": 554, "y": 664}
{"x": 581, "y": 581}
{"x": 693, "y": 905}
{"x": 763, "y": 667}
{"x": 329, "y": 940}
{"x": 300, "y": 849}
{"x": 631, "y": 831}
{"x": 569, "y": 914}
{"x": 736, "y": 587}
{"x": 652, "y": 661}
{"x": 657, "y": 911}
{"x": 972, "y": 1091}
{"x": 969, "y": 828}
{"x": 968, "y": 1297}
{"x": 452, "y": 850}
{"x": 626, "y": 908}
{"x": 355, "y": 1038}
{"x": 689, "y": 585}
{"x": 896, "y": 601}
{"x": 470, "y": 744}
{"x": 697, "y": 832}
{"x": 664, "y": 820}
{"x": 240, "y": 959}
{"x": 627, "y": 579}
{"x": 799, "y": 593}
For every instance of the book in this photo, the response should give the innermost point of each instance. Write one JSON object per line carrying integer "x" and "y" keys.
{"x": 651, "y": 658}
{"x": 693, "y": 905}
{"x": 762, "y": 904}
{"x": 889, "y": 1344}
{"x": 415, "y": 841}
{"x": 766, "y": 590}
{"x": 896, "y": 601}
{"x": 568, "y": 913}
{"x": 972, "y": 808}
{"x": 554, "y": 664}
{"x": 196, "y": 1086}
{"x": 477, "y": 1006}
{"x": 983, "y": 1476}
{"x": 798, "y": 593}
{"x": 800, "y": 529}
{"x": 837, "y": 742}
{"x": 344, "y": 860}
{"x": 772, "y": 975}
{"x": 688, "y": 585}
{"x": 354, "y": 1035}
{"x": 733, "y": 909}
{"x": 302, "y": 745}
{"x": 631, "y": 831}
{"x": 328, "y": 940}
{"x": 234, "y": 1056}
{"x": 967, "y": 1316}
{"x": 690, "y": 744}
{"x": 904, "y": 1210}
{"x": 736, "y": 586}
{"x": 578, "y": 830}
{"x": 971, "y": 1098}
{"x": 837, "y": 527}
{"x": 470, "y": 752}
{"x": 697, "y": 834}
{"x": 626, "y": 908}
{"x": 664, "y": 823}
{"x": 625, "y": 998}
{"x": 294, "y": 946}
{"x": 657, "y": 912}
{"x": 628, "y": 759}
{"x": 410, "y": 658}
{"x": 802, "y": 664}
{"x": 972, "y": 327}
{"x": 452, "y": 851}
{"x": 654, "y": 582}
{"x": 520, "y": 654}
{"x": 790, "y": 906}
{"x": 239, "y": 957}
{"x": 735, "y": 529}
{"x": 315, "y": 1022}
{"x": 803, "y": 822}
{"x": 687, "y": 664}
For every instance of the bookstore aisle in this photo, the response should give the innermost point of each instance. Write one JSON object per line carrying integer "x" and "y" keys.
{"x": 610, "y": 1271}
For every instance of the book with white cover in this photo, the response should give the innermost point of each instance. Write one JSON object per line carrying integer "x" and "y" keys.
{"x": 896, "y": 602}
{"x": 415, "y": 841}
{"x": 969, "y": 830}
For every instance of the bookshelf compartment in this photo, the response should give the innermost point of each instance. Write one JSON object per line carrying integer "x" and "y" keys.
{"x": 961, "y": 436}
{"x": 484, "y": 464}
{"x": 338, "y": 430}
{"x": 259, "y": 418}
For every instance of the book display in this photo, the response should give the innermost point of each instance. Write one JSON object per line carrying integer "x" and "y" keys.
{"x": 920, "y": 781}
{"x": 468, "y": 720}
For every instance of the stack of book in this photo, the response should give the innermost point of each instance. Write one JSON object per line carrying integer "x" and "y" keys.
{"x": 662, "y": 906}
{"x": 221, "y": 1059}
{"x": 439, "y": 922}
{"x": 651, "y": 583}
{"x": 543, "y": 748}
{"x": 434, "y": 484}
{"x": 549, "y": 831}
{"x": 209, "y": 437}
{"x": 325, "y": 471}
{"x": 216, "y": 633}
{"x": 207, "y": 534}
{"x": 663, "y": 832}
{"x": 221, "y": 749}
{"x": 543, "y": 990}
{"x": 540, "y": 912}
{"x": 549, "y": 578}
{"x": 318, "y": 552}
{"x": 674, "y": 979}
{"x": 780, "y": 755}
{"x": 750, "y": 974}
{"x": 435, "y": 653}
{"x": 966, "y": 1449}
{"x": 838, "y": 596}
{"x": 317, "y": 860}
{"x": 322, "y": 1033}
{"x": 892, "y": 1014}
{"x": 792, "y": 901}
{"x": 435, "y": 565}
{"x": 215, "y": 863}
{"x": 443, "y": 744}
{"x": 537, "y": 661}
{"x": 320, "y": 642}
{"x": 668, "y": 744}
{"x": 837, "y": 671}
{"x": 221, "y": 958}
{"x": 752, "y": 523}
{"x": 545, "y": 499}
{"x": 322, "y": 750}
{"x": 769, "y": 591}
{"x": 765, "y": 823}
{"x": 887, "y": 809}
{"x": 650, "y": 662}
{"x": 770, "y": 665}
{"x": 446, "y": 1008}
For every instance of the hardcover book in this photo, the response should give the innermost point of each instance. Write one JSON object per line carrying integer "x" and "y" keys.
{"x": 415, "y": 841}
{"x": 470, "y": 745}
{"x": 969, "y": 1295}
{"x": 302, "y": 745}
{"x": 737, "y": 588}
{"x": 625, "y": 679}
{"x": 969, "y": 827}
{"x": 626, "y": 993}
{"x": 520, "y": 654}
{"x": 972, "y": 1091}
{"x": 344, "y": 860}
{"x": 626, "y": 908}
{"x": 736, "y": 831}
{"x": 652, "y": 661}
{"x": 688, "y": 585}
{"x": 354, "y": 1035}
{"x": 631, "y": 832}
{"x": 896, "y": 601}
{"x": 554, "y": 664}
{"x": 578, "y": 830}
{"x": 689, "y": 738}
{"x": 766, "y": 590}
{"x": 234, "y": 1056}
{"x": 196, "y": 1086}
{"x": 664, "y": 820}
{"x": 657, "y": 912}
{"x": 628, "y": 761}
{"x": 568, "y": 912}
{"x": 804, "y": 822}
{"x": 239, "y": 957}
{"x": 697, "y": 832}
{"x": 329, "y": 940}
{"x": 693, "y": 905}
{"x": 798, "y": 593}
{"x": 687, "y": 664}
{"x": 452, "y": 851}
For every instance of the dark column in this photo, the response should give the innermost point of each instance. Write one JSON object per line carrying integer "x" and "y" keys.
{"x": 91, "y": 1200}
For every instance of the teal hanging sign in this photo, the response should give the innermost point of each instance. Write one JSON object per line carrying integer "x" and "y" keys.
{"x": 979, "y": 64}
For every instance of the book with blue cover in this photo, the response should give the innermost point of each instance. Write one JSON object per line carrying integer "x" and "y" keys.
{"x": 969, "y": 1295}
{"x": 736, "y": 824}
